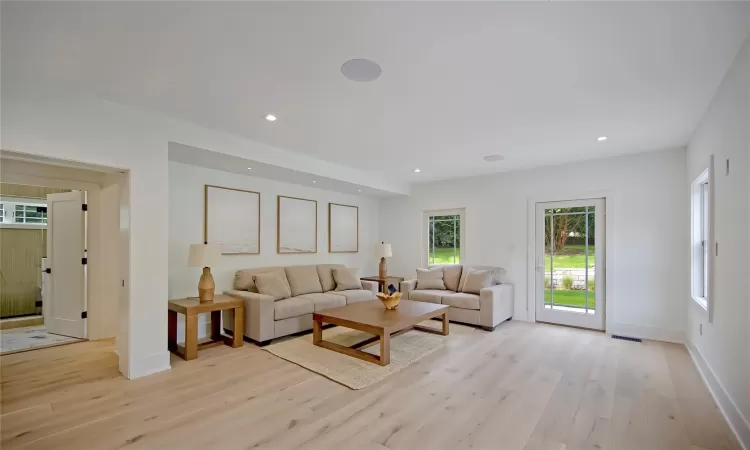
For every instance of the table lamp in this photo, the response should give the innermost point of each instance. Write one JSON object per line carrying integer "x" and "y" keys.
{"x": 383, "y": 251}
{"x": 205, "y": 255}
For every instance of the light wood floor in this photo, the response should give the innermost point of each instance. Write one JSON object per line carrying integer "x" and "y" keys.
{"x": 524, "y": 386}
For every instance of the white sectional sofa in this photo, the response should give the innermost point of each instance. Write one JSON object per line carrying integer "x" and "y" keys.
{"x": 492, "y": 306}
{"x": 312, "y": 289}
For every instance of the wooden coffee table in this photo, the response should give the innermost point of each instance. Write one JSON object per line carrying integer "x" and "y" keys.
{"x": 372, "y": 317}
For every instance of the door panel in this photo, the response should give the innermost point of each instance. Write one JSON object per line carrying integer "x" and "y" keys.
{"x": 570, "y": 263}
{"x": 65, "y": 285}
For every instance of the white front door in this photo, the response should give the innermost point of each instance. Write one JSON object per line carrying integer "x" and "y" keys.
{"x": 570, "y": 263}
{"x": 65, "y": 284}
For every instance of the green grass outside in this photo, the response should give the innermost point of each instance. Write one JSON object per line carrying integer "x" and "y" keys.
{"x": 445, "y": 256}
{"x": 570, "y": 298}
{"x": 572, "y": 257}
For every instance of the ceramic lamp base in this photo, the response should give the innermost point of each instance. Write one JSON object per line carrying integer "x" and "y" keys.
{"x": 206, "y": 286}
{"x": 382, "y": 269}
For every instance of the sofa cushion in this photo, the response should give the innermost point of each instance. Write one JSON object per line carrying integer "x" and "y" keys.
{"x": 429, "y": 295}
{"x": 476, "y": 280}
{"x": 325, "y": 301}
{"x": 271, "y": 284}
{"x": 461, "y": 300}
{"x": 430, "y": 278}
{"x": 292, "y": 307}
{"x": 303, "y": 280}
{"x": 451, "y": 275}
{"x": 497, "y": 276}
{"x": 326, "y": 275}
{"x": 346, "y": 279}
{"x": 355, "y": 295}
{"x": 243, "y": 279}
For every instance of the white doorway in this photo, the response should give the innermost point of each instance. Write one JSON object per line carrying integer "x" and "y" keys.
{"x": 570, "y": 255}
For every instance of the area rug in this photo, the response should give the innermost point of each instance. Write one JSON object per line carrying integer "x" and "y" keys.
{"x": 354, "y": 373}
{"x": 16, "y": 340}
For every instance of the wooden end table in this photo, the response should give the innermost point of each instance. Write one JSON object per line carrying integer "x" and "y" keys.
{"x": 383, "y": 282}
{"x": 191, "y": 307}
{"x": 372, "y": 317}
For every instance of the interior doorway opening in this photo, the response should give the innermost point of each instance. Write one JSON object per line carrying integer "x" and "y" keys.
{"x": 33, "y": 309}
{"x": 64, "y": 282}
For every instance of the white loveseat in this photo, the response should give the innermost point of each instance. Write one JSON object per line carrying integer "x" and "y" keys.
{"x": 312, "y": 289}
{"x": 492, "y": 306}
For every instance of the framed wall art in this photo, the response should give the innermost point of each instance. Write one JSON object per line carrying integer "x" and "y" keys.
{"x": 232, "y": 220}
{"x": 296, "y": 225}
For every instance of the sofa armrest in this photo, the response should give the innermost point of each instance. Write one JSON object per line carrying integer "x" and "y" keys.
{"x": 407, "y": 286}
{"x": 495, "y": 305}
{"x": 259, "y": 308}
{"x": 370, "y": 286}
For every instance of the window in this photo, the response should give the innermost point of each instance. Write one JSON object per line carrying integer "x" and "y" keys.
{"x": 701, "y": 239}
{"x": 23, "y": 213}
{"x": 444, "y": 233}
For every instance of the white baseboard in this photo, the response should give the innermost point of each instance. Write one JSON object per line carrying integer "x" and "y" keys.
{"x": 151, "y": 364}
{"x": 646, "y": 332}
{"x": 737, "y": 422}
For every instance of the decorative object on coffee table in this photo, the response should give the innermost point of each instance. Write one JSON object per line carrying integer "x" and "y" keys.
{"x": 191, "y": 308}
{"x": 383, "y": 251}
{"x": 390, "y": 301}
{"x": 383, "y": 281}
{"x": 205, "y": 255}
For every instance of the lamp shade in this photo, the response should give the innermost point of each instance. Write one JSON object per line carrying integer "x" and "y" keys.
{"x": 383, "y": 250}
{"x": 204, "y": 255}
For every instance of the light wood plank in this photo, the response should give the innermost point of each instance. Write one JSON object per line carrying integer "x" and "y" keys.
{"x": 525, "y": 385}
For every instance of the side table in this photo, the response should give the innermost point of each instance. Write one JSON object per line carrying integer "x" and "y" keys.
{"x": 191, "y": 307}
{"x": 383, "y": 282}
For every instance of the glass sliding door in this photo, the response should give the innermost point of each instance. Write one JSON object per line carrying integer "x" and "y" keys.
{"x": 570, "y": 243}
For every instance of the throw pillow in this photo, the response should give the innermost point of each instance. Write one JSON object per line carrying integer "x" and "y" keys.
{"x": 272, "y": 284}
{"x": 346, "y": 279}
{"x": 476, "y": 280}
{"x": 430, "y": 278}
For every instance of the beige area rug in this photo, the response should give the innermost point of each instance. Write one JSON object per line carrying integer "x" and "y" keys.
{"x": 349, "y": 371}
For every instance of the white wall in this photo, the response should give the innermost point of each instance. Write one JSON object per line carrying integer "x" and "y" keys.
{"x": 186, "y": 193}
{"x": 647, "y": 276}
{"x": 723, "y": 350}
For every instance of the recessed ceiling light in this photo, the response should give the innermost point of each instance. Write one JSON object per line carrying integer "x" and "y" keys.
{"x": 270, "y": 117}
{"x": 314, "y": 181}
{"x": 362, "y": 70}
{"x": 359, "y": 190}
{"x": 491, "y": 158}
{"x": 417, "y": 170}
{"x": 249, "y": 168}
{"x": 601, "y": 138}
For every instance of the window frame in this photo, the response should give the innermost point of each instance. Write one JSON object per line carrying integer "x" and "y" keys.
{"x": 9, "y": 215}
{"x": 461, "y": 212}
{"x": 702, "y": 239}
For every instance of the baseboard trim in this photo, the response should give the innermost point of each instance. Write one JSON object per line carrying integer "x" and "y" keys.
{"x": 151, "y": 364}
{"x": 737, "y": 422}
{"x": 646, "y": 332}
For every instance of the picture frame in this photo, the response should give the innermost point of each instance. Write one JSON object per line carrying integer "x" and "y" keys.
{"x": 343, "y": 228}
{"x": 296, "y": 225}
{"x": 226, "y": 222}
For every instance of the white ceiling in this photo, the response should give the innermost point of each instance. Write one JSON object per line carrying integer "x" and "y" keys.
{"x": 537, "y": 82}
